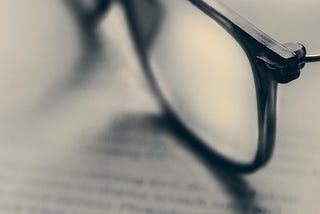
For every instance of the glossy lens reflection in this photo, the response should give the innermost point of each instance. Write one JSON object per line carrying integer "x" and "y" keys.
{"x": 203, "y": 73}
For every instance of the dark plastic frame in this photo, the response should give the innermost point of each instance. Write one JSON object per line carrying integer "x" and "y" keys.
{"x": 271, "y": 63}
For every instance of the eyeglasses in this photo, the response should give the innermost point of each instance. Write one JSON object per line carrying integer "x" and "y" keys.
{"x": 215, "y": 75}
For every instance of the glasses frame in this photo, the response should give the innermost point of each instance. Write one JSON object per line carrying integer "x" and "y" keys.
{"x": 271, "y": 63}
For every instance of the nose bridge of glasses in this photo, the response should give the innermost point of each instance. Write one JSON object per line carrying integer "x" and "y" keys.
{"x": 148, "y": 16}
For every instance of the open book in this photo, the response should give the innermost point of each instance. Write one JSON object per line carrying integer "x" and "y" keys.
{"x": 81, "y": 133}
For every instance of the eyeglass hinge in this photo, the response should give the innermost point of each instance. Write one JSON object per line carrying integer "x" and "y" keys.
{"x": 284, "y": 71}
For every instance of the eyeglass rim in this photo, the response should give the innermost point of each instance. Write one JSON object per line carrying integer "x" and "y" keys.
{"x": 266, "y": 91}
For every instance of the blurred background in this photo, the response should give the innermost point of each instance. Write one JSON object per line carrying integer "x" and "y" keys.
{"x": 81, "y": 131}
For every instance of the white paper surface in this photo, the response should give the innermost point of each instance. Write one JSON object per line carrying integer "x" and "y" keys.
{"x": 95, "y": 142}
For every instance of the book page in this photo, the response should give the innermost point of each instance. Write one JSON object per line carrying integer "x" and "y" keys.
{"x": 82, "y": 133}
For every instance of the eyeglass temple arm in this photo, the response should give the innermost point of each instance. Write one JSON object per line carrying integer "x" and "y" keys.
{"x": 311, "y": 58}
{"x": 299, "y": 49}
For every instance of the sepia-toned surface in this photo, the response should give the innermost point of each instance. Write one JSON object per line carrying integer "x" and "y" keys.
{"x": 81, "y": 133}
